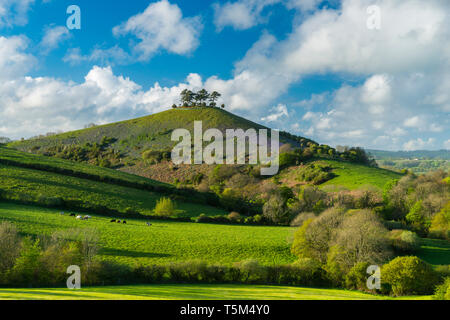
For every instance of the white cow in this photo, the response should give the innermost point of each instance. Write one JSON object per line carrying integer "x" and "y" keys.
{"x": 79, "y": 217}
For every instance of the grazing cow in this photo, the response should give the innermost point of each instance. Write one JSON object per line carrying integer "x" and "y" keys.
{"x": 86, "y": 217}
{"x": 124, "y": 222}
{"x": 79, "y": 217}
{"x": 149, "y": 224}
{"x": 113, "y": 220}
{"x": 118, "y": 221}
{"x": 72, "y": 215}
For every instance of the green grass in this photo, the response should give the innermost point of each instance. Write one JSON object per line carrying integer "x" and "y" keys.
{"x": 150, "y": 132}
{"x": 193, "y": 292}
{"x": 163, "y": 242}
{"x": 47, "y": 184}
{"x": 435, "y": 252}
{"x": 354, "y": 176}
{"x": 56, "y": 165}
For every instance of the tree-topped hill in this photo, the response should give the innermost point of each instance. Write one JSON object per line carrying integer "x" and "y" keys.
{"x": 201, "y": 98}
{"x": 126, "y": 143}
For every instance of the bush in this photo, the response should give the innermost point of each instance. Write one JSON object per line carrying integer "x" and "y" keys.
{"x": 251, "y": 271}
{"x": 404, "y": 241}
{"x": 301, "y": 218}
{"x": 443, "y": 291}
{"x": 9, "y": 246}
{"x": 356, "y": 278}
{"x": 440, "y": 225}
{"x": 409, "y": 276}
{"x": 165, "y": 207}
{"x": 276, "y": 210}
{"x": 234, "y": 216}
{"x": 416, "y": 217}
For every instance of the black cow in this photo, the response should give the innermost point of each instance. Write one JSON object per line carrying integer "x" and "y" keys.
{"x": 118, "y": 221}
{"x": 73, "y": 215}
{"x": 124, "y": 222}
{"x": 113, "y": 220}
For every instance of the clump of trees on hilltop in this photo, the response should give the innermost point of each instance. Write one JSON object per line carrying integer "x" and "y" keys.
{"x": 200, "y": 98}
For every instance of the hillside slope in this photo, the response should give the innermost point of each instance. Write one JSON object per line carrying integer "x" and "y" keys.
{"x": 65, "y": 184}
{"x": 129, "y": 139}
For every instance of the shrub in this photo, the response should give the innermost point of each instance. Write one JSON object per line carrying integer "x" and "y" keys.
{"x": 165, "y": 207}
{"x": 234, "y": 216}
{"x": 300, "y": 219}
{"x": 312, "y": 239}
{"x": 443, "y": 291}
{"x": 404, "y": 241}
{"x": 276, "y": 210}
{"x": 416, "y": 217}
{"x": 409, "y": 276}
{"x": 356, "y": 278}
{"x": 9, "y": 246}
{"x": 440, "y": 225}
{"x": 251, "y": 271}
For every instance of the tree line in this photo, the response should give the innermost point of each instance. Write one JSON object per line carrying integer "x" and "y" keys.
{"x": 200, "y": 98}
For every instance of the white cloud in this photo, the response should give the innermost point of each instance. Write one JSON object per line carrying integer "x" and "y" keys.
{"x": 162, "y": 26}
{"x": 38, "y": 105}
{"x": 14, "y": 12}
{"x": 240, "y": 15}
{"x": 278, "y": 112}
{"x": 447, "y": 144}
{"x": 110, "y": 56}
{"x": 405, "y": 66}
{"x": 418, "y": 144}
{"x": 53, "y": 37}
{"x": 304, "y": 5}
{"x": 13, "y": 60}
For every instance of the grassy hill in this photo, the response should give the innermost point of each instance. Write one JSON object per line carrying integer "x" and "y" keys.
{"x": 123, "y": 146}
{"x": 345, "y": 174}
{"x": 61, "y": 183}
{"x": 132, "y": 137}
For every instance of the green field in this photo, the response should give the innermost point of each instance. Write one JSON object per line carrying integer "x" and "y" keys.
{"x": 54, "y": 164}
{"x": 163, "y": 242}
{"x": 193, "y": 292}
{"x": 166, "y": 242}
{"x": 354, "y": 176}
{"x": 434, "y": 251}
{"x": 44, "y": 184}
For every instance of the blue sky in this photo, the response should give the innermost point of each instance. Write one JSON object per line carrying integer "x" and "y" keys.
{"x": 314, "y": 68}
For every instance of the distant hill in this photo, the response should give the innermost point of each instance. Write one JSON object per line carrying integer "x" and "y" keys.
{"x": 419, "y": 162}
{"x": 410, "y": 155}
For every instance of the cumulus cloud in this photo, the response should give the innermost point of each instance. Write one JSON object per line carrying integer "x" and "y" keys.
{"x": 240, "y": 15}
{"x": 162, "y": 26}
{"x": 398, "y": 96}
{"x": 38, "y": 105}
{"x": 32, "y": 105}
{"x": 14, "y": 12}
{"x": 53, "y": 37}
{"x": 111, "y": 56}
{"x": 13, "y": 60}
{"x": 418, "y": 144}
{"x": 404, "y": 68}
{"x": 278, "y": 112}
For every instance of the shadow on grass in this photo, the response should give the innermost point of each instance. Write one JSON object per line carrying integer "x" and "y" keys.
{"x": 436, "y": 252}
